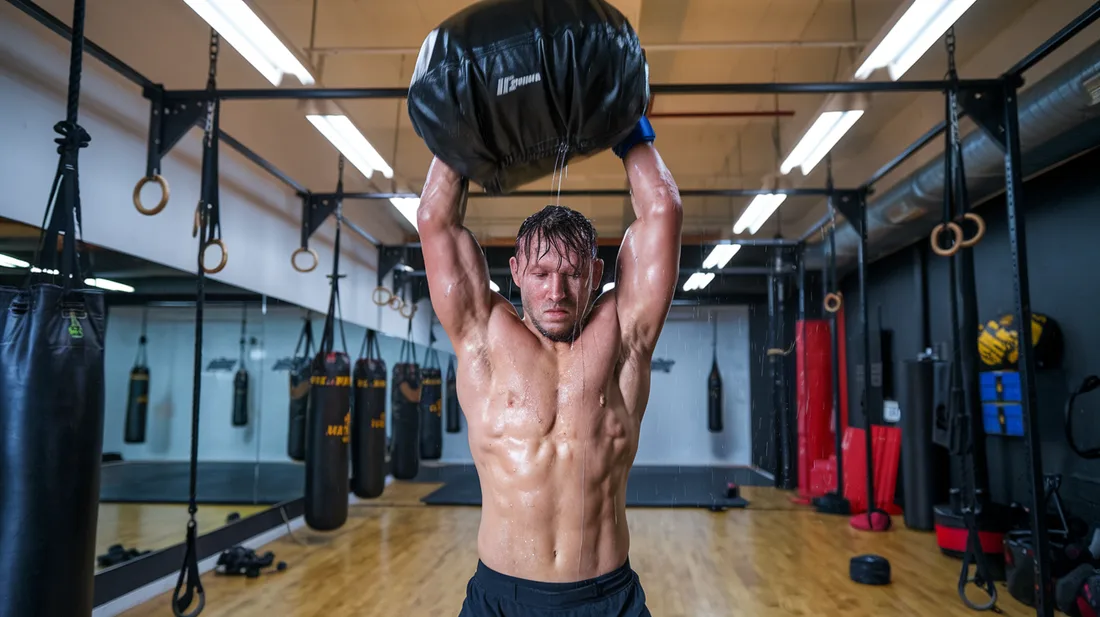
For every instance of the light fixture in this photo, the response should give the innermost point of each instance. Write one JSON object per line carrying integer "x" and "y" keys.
{"x": 921, "y": 24}
{"x": 699, "y": 280}
{"x": 241, "y": 27}
{"x": 493, "y": 286}
{"x": 339, "y": 130}
{"x": 7, "y": 261}
{"x": 407, "y": 206}
{"x": 837, "y": 116}
{"x": 722, "y": 254}
{"x": 109, "y": 285}
{"x": 49, "y": 271}
{"x": 759, "y": 211}
{"x": 608, "y": 287}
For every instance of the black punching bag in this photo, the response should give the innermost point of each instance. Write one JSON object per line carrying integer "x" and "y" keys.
{"x": 137, "y": 402}
{"x": 240, "y": 385}
{"x": 431, "y": 408}
{"x": 300, "y": 372}
{"x": 453, "y": 410}
{"x": 714, "y": 390}
{"x": 368, "y": 421}
{"x": 405, "y": 406}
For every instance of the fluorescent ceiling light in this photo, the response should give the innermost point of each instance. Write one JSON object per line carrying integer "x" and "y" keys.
{"x": 493, "y": 285}
{"x": 698, "y": 280}
{"x": 350, "y": 142}
{"x": 239, "y": 25}
{"x": 50, "y": 271}
{"x": 108, "y": 285}
{"x": 721, "y": 255}
{"x": 922, "y": 24}
{"x": 609, "y": 286}
{"x": 7, "y": 261}
{"x": 825, "y": 132}
{"x": 407, "y": 206}
{"x": 758, "y": 213}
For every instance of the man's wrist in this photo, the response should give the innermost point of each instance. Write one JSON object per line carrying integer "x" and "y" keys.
{"x": 641, "y": 133}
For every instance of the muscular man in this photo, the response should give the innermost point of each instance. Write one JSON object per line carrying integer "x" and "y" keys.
{"x": 554, "y": 398}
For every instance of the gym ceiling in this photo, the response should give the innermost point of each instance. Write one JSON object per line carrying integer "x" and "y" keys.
{"x": 708, "y": 141}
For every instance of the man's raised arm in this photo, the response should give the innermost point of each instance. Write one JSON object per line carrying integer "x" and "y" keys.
{"x": 458, "y": 276}
{"x": 649, "y": 259}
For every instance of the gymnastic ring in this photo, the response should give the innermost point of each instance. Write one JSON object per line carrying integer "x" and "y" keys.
{"x": 934, "y": 238}
{"x": 832, "y": 302}
{"x": 400, "y": 303}
{"x": 979, "y": 222}
{"x": 303, "y": 250}
{"x": 411, "y": 311}
{"x": 381, "y": 290}
{"x": 221, "y": 265}
{"x": 164, "y": 193}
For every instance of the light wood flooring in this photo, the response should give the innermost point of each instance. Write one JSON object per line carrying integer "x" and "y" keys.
{"x": 397, "y": 557}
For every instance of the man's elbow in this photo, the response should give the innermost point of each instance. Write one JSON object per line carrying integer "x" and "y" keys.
{"x": 429, "y": 219}
{"x": 667, "y": 206}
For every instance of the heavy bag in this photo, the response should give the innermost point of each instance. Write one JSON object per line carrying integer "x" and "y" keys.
{"x": 137, "y": 402}
{"x": 327, "y": 485}
{"x": 240, "y": 397}
{"x": 431, "y": 408}
{"x": 714, "y": 399}
{"x": 368, "y": 421}
{"x": 51, "y": 418}
{"x": 405, "y": 407}
{"x": 453, "y": 408}
{"x": 300, "y": 373}
{"x": 507, "y": 91}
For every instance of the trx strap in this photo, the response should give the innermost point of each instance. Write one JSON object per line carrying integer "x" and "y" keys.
{"x": 328, "y": 335}
{"x": 964, "y": 401}
{"x": 208, "y": 230}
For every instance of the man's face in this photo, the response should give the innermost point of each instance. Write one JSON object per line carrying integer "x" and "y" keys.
{"x": 556, "y": 289}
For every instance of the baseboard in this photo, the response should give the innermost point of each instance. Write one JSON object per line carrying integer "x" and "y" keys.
{"x": 147, "y": 592}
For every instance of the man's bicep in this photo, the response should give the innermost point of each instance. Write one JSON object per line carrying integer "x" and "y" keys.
{"x": 458, "y": 278}
{"x": 648, "y": 269}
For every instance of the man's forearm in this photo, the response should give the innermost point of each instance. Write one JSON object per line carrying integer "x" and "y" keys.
{"x": 442, "y": 201}
{"x": 653, "y": 190}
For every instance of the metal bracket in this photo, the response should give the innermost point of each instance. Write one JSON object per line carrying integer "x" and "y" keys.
{"x": 315, "y": 210}
{"x": 389, "y": 257}
{"x": 850, "y": 203}
{"x": 986, "y": 106}
{"x": 169, "y": 120}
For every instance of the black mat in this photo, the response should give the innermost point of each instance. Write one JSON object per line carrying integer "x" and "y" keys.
{"x": 225, "y": 483}
{"x": 647, "y": 487}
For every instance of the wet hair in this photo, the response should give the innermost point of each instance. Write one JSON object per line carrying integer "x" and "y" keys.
{"x": 557, "y": 225}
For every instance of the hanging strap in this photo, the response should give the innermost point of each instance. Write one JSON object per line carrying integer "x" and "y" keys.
{"x": 142, "y": 357}
{"x": 305, "y": 337}
{"x": 244, "y": 324}
{"x": 328, "y": 336}
{"x": 189, "y": 583}
{"x": 370, "y": 349}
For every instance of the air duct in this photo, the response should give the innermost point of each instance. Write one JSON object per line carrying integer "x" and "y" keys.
{"x": 1059, "y": 118}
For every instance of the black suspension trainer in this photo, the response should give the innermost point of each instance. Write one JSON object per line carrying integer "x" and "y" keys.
{"x": 207, "y": 229}
{"x": 965, "y": 400}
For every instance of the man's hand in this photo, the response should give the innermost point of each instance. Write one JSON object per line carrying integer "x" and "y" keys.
{"x": 649, "y": 259}
{"x": 458, "y": 276}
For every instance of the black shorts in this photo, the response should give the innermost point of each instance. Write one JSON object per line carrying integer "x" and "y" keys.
{"x": 615, "y": 594}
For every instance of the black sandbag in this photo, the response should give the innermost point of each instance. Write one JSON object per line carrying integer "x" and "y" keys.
{"x": 51, "y": 419}
{"x": 240, "y": 397}
{"x": 327, "y": 485}
{"x": 368, "y": 422}
{"x": 453, "y": 408}
{"x": 506, "y": 91}
{"x": 137, "y": 405}
{"x": 714, "y": 399}
{"x": 405, "y": 407}
{"x": 300, "y": 373}
{"x": 431, "y": 408}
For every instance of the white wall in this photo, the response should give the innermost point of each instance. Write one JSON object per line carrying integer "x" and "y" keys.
{"x": 260, "y": 216}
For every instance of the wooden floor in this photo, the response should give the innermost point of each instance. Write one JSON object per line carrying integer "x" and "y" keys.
{"x": 399, "y": 557}
{"x": 153, "y": 526}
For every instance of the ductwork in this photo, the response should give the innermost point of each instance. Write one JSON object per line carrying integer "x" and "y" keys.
{"x": 1059, "y": 118}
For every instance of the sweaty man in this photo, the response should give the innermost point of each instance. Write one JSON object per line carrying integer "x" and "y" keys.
{"x": 554, "y": 399}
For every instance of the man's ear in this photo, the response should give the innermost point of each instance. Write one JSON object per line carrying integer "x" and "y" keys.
{"x": 513, "y": 265}
{"x": 597, "y": 274}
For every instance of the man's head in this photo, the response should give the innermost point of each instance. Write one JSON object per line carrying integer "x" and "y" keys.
{"x": 556, "y": 270}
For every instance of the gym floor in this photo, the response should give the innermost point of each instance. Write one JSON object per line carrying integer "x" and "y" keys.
{"x": 396, "y": 556}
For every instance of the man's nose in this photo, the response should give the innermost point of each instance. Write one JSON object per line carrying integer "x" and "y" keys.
{"x": 557, "y": 288}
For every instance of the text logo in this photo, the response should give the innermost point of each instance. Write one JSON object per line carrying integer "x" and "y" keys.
{"x": 511, "y": 82}
{"x": 436, "y": 408}
{"x": 378, "y": 423}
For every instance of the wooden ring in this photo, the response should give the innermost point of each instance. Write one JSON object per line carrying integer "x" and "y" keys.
{"x": 934, "y": 239}
{"x": 832, "y": 302}
{"x": 410, "y": 312}
{"x": 979, "y": 222}
{"x": 396, "y": 303}
{"x": 164, "y": 193}
{"x": 381, "y": 292}
{"x": 221, "y": 264}
{"x": 307, "y": 251}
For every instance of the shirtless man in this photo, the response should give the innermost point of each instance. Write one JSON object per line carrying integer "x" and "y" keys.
{"x": 554, "y": 399}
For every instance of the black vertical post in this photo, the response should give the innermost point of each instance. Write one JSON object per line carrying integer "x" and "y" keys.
{"x": 773, "y": 342}
{"x": 800, "y": 255}
{"x": 835, "y": 335}
{"x": 864, "y": 328}
{"x": 779, "y": 359}
{"x": 1044, "y": 606}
